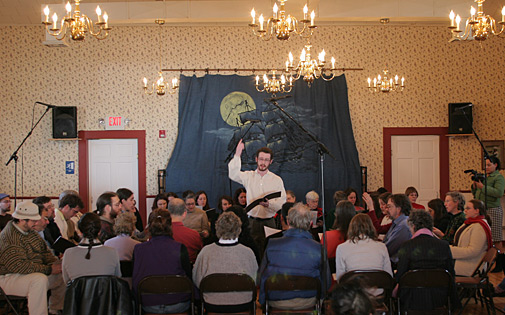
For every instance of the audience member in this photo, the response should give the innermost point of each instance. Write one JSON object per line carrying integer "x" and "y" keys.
{"x": 380, "y": 218}
{"x": 399, "y": 233}
{"x": 171, "y": 195}
{"x": 330, "y": 215}
{"x": 438, "y": 212}
{"x": 5, "y": 206}
{"x": 344, "y": 213}
{"x": 350, "y": 299}
{"x": 226, "y": 256}
{"x": 68, "y": 207}
{"x": 160, "y": 202}
{"x": 27, "y": 266}
{"x": 202, "y": 200}
{"x": 412, "y": 194}
{"x": 51, "y": 232}
{"x": 296, "y": 253}
{"x": 362, "y": 250}
{"x": 161, "y": 255}
{"x": 123, "y": 243}
{"x": 240, "y": 197}
{"x": 312, "y": 199}
{"x": 108, "y": 207}
{"x": 224, "y": 202}
{"x": 455, "y": 204}
{"x": 472, "y": 239}
{"x": 90, "y": 257}
{"x": 381, "y": 190}
{"x": 424, "y": 251}
{"x": 290, "y": 196}
{"x": 184, "y": 235}
{"x": 196, "y": 218}
{"x": 245, "y": 237}
{"x": 127, "y": 200}
{"x": 352, "y": 196}
{"x": 186, "y": 193}
{"x": 40, "y": 227}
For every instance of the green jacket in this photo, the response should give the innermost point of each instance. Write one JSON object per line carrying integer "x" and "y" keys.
{"x": 495, "y": 188}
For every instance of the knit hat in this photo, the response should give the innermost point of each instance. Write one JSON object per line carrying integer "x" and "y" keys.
{"x": 2, "y": 196}
{"x": 26, "y": 211}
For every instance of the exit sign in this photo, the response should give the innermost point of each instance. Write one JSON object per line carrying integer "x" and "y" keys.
{"x": 114, "y": 123}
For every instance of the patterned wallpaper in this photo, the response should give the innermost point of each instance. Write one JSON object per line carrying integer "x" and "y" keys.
{"x": 103, "y": 78}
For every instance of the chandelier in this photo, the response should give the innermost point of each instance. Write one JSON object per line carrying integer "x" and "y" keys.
{"x": 282, "y": 25}
{"x": 161, "y": 87}
{"x": 386, "y": 84}
{"x": 310, "y": 69}
{"x": 274, "y": 85}
{"x": 76, "y": 25}
{"x": 478, "y": 26}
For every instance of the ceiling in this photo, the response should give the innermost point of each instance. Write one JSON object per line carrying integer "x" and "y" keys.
{"x": 189, "y": 12}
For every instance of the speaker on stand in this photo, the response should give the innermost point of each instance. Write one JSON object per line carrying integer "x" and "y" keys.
{"x": 458, "y": 123}
{"x": 64, "y": 122}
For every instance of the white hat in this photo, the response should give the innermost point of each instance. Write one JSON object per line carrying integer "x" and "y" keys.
{"x": 26, "y": 211}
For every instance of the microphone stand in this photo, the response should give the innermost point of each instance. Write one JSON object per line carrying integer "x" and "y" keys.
{"x": 322, "y": 150}
{"x": 485, "y": 155}
{"x": 14, "y": 155}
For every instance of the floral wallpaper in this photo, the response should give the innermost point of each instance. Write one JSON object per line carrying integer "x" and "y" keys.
{"x": 103, "y": 78}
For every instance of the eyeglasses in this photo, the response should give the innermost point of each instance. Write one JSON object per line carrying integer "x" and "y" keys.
{"x": 263, "y": 160}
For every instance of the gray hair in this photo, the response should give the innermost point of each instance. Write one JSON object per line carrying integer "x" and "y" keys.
{"x": 311, "y": 195}
{"x": 299, "y": 217}
{"x": 457, "y": 197}
{"x": 228, "y": 226}
{"x": 177, "y": 207}
{"x": 420, "y": 219}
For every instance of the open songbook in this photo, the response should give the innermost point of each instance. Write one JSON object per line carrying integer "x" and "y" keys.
{"x": 264, "y": 198}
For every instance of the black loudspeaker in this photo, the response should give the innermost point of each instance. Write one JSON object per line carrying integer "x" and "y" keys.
{"x": 64, "y": 122}
{"x": 458, "y": 123}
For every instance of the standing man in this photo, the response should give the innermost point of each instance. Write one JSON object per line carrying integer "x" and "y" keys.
{"x": 5, "y": 206}
{"x": 27, "y": 267}
{"x": 258, "y": 184}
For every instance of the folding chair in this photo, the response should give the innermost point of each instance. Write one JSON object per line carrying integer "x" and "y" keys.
{"x": 126, "y": 268}
{"x": 427, "y": 279}
{"x": 374, "y": 279}
{"x": 11, "y": 298}
{"x": 478, "y": 283}
{"x": 228, "y": 282}
{"x": 165, "y": 284}
{"x": 280, "y": 282}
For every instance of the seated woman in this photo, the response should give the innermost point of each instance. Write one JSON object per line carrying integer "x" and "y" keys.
{"x": 412, "y": 193}
{"x": 344, "y": 214}
{"x": 90, "y": 257}
{"x": 196, "y": 218}
{"x": 202, "y": 201}
{"x": 424, "y": 251}
{"x": 362, "y": 251}
{"x": 124, "y": 226}
{"x": 377, "y": 205}
{"x": 224, "y": 203}
{"x": 226, "y": 256}
{"x": 161, "y": 255}
{"x": 160, "y": 202}
{"x": 240, "y": 197}
{"x": 472, "y": 239}
{"x": 438, "y": 212}
{"x": 352, "y": 196}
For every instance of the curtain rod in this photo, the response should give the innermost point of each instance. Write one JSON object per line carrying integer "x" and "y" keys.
{"x": 207, "y": 70}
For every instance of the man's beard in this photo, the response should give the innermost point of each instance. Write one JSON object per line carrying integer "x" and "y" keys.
{"x": 262, "y": 167}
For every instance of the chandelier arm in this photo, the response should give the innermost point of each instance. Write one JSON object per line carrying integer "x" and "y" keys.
{"x": 56, "y": 33}
{"x": 262, "y": 35}
{"x": 328, "y": 79}
{"x": 149, "y": 92}
{"x": 493, "y": 28}
{"x": 91, "y": 27}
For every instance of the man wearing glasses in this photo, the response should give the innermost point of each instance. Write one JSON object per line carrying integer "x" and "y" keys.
{"x": 27, "y": 266}
{"x": 5, "y": 206}
{"x": 398, "y": 208}
{"x": 69, "y": 206}
{"x": 258, "y": 184}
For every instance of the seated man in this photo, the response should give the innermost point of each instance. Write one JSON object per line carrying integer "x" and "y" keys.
{"x": 69, "y": 206}
{"x": 51, "y": 231}
{"x": 296, "y": 253}
{"x": 108, "y": 207}
{"x": 5, "y": 206}
{"x": 398, "y": 207}
{"x": 27, "y": 267}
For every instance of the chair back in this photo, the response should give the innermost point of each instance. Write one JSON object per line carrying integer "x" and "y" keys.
{"x": 166, "y": 285}
{"x": 10, "y": 298}
{"x": 126, "y": 268}
{"x": 281, "y": 282}
{"x": 486, "y": 263}
{"x": 228, "y": 282}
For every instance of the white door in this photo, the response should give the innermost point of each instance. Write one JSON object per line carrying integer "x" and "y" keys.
{"x": 113, "y": 164}
{"x": 415, "y": 161}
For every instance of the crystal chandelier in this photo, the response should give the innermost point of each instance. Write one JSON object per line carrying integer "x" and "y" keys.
{"x": 161, "y": 87}
{"x": 478, "y": 26}
{"x": 386, "y": 84}
{"x": 274, "y": 85}
{"x": 310, "y": 69}
{"x": 282, "y": 25}
{"x": 77, "y": 25}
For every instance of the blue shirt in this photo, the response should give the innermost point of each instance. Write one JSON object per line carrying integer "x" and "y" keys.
{"x": 398, "y": 234}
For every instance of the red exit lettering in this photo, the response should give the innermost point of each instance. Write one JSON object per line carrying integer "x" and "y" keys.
{"x": 114, "y": 121}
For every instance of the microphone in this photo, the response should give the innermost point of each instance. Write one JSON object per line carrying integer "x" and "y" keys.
{"x": 464, "y": 107}
{"x": 48, "y": 105}
{"x": 278, "y": 98}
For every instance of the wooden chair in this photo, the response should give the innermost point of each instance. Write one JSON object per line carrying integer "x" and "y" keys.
{"x": 374, "y": 279}
{"x": 282, "y": 282}
{"x": 12, "y": 298}
{"x": 165, "y": 284}
{"x": 228, "y": 282}
{"x": 478, "y": 285}
{"x": 427, "y": 279}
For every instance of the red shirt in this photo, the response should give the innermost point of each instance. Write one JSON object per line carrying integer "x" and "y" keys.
{"x": 333, "y": 239}
{"x": 189, "y": 238}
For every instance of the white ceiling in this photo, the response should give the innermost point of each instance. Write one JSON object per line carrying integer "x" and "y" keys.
{"x": 28, "y": 12}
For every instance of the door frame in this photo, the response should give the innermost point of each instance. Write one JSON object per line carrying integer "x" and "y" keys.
{"x": 443, "y": 145}
{"x": 139, "y": 135}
